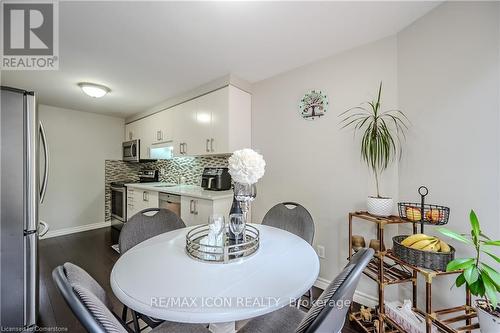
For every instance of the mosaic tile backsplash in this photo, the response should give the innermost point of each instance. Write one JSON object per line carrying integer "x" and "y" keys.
{"x": 189, "y": 167}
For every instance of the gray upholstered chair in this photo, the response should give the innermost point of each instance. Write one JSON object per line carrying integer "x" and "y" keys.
{"x": 90, "y": 304}
{"x": 327, "y": 314}
{"x": 294, "y": 218}
{"x": 139, "y": 228}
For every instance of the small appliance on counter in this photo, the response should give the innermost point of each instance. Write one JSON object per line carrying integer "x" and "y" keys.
{"x": 148, "y": 176}
{"x": 216, "y": 179}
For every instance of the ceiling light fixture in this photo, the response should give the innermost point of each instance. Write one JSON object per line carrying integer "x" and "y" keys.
{"x": 94, "y": 90}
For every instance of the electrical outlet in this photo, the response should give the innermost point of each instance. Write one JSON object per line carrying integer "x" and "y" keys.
{"x": 320, "y": 249}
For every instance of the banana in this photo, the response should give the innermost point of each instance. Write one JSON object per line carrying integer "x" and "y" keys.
{"x": 444, "y": 247}
{"x": 433, "y": 246}
{"x": 410, "y": 240}
{"x": 420, "y": 245}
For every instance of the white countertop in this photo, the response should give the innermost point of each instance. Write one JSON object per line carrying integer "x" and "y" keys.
{"x": 194, "y": 191}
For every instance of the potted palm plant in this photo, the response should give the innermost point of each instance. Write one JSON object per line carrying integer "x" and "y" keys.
{"x": 380, "y": 143}
{"x": 482, "y": 280}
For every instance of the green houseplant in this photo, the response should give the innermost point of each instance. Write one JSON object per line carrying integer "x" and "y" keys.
{"x": 481, "y": 279}
{"x": 380, "y": 142}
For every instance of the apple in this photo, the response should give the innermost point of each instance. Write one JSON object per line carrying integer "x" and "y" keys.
{"x": 413, "y": 214}
{"x": 433, "y": 215}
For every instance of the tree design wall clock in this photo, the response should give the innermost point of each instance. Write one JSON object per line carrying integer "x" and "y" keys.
{"x": 313, "y": 105}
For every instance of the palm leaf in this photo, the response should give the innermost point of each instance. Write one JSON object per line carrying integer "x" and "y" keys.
{"x": 380, "y": 140}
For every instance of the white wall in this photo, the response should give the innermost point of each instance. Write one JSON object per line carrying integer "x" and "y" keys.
{"x": 448, "y": 74}
{"x": 79, "y": 142}
{"x": 314, "y": 162}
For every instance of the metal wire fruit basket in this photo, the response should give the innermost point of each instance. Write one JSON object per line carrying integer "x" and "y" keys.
{"x": 432, "y": 214}
{"x": 225, "y": 253}
{"x": 422, "y": 212}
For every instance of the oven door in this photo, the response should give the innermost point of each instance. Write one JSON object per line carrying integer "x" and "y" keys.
{"x": 119, "y": 203}
{"x": 131, "y": 151}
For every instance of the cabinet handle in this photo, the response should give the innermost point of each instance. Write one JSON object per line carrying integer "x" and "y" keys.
{"x": 185, "y": 147}
{"x": 130, "y": 135}
{"x": 145, "y": 196}
{"x": 195, "y": 207}
{"x": 158, "y": 135}
{"x": 206, "y": 145}
{"x": 180, "y": 148}
{"x": 191, "y": 211}
{"x": 212, "y": 144}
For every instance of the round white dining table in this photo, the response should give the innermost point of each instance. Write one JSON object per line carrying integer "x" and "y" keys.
{"x": 157, "y": 278}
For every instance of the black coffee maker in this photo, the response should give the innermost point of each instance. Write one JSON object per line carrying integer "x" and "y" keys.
{"x": 216, "y": 179}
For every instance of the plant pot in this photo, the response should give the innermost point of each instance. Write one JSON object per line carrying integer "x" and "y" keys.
{"x": 488, "y": 322}
{"x": 380, "y": 206}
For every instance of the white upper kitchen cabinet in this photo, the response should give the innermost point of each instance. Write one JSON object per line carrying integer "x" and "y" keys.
{"x": 231, "y": 122}
{"x": 146, "y": 130}
{"x": 186, "y": 138}
{"x": 162, "y": 127}
{"x": 214, "y": 123}
{"x": 211, "y": 110}
{"x": 131, "y": 132}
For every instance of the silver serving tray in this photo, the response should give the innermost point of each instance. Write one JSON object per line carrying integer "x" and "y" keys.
{"x": 221, "y": 254}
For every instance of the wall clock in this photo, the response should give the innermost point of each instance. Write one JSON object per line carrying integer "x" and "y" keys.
{"x": 313, "y": 105}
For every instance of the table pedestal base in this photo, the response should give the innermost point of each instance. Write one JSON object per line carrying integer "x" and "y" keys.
{"x": 229, "y": 327}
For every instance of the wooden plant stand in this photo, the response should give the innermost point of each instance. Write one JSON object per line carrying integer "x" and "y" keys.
{"x": 386, "y": 269}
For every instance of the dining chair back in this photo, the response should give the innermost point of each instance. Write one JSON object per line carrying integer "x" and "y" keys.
{"x": 329, "y": 312}
{"x": 292, "y": 217}
{"x": 142, "y": 226}
{"x": 86, "y": 299}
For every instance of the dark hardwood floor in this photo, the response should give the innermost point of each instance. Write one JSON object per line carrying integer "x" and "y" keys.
{"x": 90, "y": 250}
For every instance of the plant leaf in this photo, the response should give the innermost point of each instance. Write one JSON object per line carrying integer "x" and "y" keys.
{"x": 460, "y": 280}
{"x": 454, "y": 235}
{"x": 497, "y": 259}
{"x": 492, "y": 242}
{"x": 484, "y": 236}
{"x": 477, "y": 288}
{"x": 460, "y": 263}
{"x": 490, "y": 289}
{"x": 471, "y": 274}
{"x": 492, "y": 274}
{"x": 474, "y": 222}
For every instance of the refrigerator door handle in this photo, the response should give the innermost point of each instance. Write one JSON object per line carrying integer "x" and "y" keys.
{"x": 43, "y": 188}
{"x": 30, "y": 280}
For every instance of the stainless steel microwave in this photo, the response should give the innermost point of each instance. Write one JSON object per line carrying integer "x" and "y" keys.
{"x": 131, "y": 150}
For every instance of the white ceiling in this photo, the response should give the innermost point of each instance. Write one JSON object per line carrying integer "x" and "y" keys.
{"x": 147, "y": 52}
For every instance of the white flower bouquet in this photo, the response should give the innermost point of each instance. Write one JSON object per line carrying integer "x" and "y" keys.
{"x": 246, "y": 166}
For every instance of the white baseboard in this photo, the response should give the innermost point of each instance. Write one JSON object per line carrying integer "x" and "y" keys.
{"x": 359, "y": 297}
{"x": 72, "y": 230}
{"x": 321, "y": 283}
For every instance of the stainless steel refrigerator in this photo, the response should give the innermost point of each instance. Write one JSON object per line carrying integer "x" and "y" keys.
{"x": 22, "y": 190}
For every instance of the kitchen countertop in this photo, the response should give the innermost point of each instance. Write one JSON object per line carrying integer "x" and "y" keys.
{"x": 186, "y": 190}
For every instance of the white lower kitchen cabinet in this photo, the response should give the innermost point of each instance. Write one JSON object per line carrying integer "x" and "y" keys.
{"x": 195, "y": 211}
{"x": 138, "y": 199}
